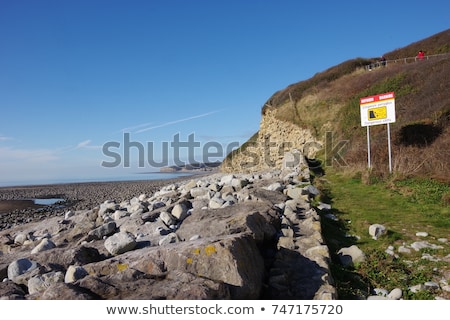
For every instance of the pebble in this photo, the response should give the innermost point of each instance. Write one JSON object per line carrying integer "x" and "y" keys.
{"x": 395, "y": 294}
{"x": 422, "y": 234}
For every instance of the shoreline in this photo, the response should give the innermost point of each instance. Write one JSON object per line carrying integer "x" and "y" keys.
{"x": 17, "y": 206}
{"x": 128, "y": 178}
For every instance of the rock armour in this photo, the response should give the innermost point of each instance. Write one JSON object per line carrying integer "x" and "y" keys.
{"x": 222, "y": 236}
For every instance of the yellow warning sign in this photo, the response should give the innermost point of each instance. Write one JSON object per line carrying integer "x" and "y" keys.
{"x": 378, "y": 109}
{"x": 377, "y": 113}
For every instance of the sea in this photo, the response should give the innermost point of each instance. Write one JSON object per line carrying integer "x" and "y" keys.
{"x": 151, "y": 176}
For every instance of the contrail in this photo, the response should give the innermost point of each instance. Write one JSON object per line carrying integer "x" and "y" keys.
{"x": 129, "y": 129}
{"x": 176, "y": 121}
{"x": 83, "y": 144}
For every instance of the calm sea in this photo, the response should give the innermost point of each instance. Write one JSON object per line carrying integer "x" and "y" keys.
{"x": 130, "y": 177}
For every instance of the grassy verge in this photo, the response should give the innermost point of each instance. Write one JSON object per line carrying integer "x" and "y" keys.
{"x": 405, "y": 207}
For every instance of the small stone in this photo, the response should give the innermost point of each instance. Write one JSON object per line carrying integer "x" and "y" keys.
{"x": 377, "y": 230}
{"x": 395, "y": 294}
{"x": 104, "y": 230}
{"x": 20, "y": 238}
{"x": 422, "y": 234}
{"x": 324, "y": 206}
{"x": 45, "y": 244}
{"x": 351, "y": 255}
{"x": 381, "y": 292}
{"x": 119, "y": 214}
{"x": 403, "y": 249}
{"x": 180, "y": 211}
{"x": 275, "y": 187}
{"x": 418, "y": 245}
{"x": 170, "y": 238}
{"x": 417, "y": 288}
{"x": 431, "y": 285}
{"x": 74, "y": 273}
{"x": 68, "y": 214}
{"x": 216, "y": 203}
{"x": 167, "y": 218}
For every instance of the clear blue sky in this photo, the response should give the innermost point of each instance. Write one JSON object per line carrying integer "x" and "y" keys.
{"x": 75, "y": 75}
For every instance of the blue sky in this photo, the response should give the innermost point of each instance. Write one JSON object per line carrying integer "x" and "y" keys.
{"x": 75, "y": 75}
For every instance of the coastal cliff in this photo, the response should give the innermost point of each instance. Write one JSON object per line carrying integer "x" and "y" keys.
{"x": 313, "y": 116}
{"x": 278, "y": 144}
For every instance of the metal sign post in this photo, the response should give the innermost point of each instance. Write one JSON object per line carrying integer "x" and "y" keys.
{"x": 389, "y": 147}
{"x": 368, "y": 148}
{"x": 375, "y": 110}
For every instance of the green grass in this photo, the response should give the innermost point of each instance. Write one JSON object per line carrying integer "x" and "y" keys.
{"x": 404, "y": 207}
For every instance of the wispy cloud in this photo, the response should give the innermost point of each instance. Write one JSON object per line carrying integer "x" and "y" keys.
{"x": 8, "y": 154}
{"x": 86, "y": 144}
{"x": 165, "y": 124}
{"x": 5, "y": 138}
{"x": 83, "y": 144}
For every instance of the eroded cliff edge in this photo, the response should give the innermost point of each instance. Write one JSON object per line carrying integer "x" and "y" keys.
{"x": 278, "y": 144}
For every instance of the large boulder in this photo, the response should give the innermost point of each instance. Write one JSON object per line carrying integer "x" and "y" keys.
{"x": 233, "y": 260}
{"x": 120, "y": 242}
{"x": 132, "y": 285}
{"x": 20, "y": 267}
{"x": 257, "y": 219}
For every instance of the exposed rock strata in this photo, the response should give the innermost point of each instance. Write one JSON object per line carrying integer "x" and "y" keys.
{"x": 275, "y": 139}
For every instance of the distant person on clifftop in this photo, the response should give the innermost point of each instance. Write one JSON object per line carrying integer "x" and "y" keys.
{"x": 421, "y": 55}
{"x": 383, "y": 61}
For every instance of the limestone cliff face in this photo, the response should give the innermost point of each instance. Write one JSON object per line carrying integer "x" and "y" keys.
{"x": 279, "y": 144}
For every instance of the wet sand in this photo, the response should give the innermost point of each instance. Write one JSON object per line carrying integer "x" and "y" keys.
{"x": 11, "y": 205}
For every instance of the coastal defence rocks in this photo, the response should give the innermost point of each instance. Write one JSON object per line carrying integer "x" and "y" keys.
{"x": 222, "y": 236}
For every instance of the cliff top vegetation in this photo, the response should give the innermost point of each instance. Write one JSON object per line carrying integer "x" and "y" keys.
{"x": 329, "y": 101}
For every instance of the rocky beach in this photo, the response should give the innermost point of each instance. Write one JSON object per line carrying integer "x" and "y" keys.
{"x": 17, "y": 205}
{"x": 206, "y": 236}
{"x": 216, "y": 236}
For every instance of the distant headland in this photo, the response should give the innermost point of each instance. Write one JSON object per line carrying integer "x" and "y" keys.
{"x": 191, "y": 167}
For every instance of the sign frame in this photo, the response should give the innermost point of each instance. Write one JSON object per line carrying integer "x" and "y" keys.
{"x": 371, "y": 107}
{"x": 376, "y": 110}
